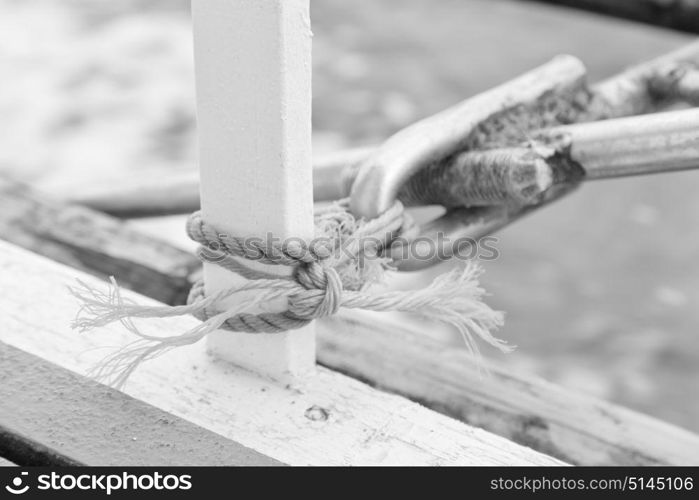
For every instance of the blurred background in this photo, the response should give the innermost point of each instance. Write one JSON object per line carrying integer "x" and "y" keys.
{"x": 601, "y": 289}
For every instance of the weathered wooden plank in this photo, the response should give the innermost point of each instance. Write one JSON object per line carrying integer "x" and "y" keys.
{"x": 51, "y": 416}
{"x": 680, "y": 15}
{"x": 26, "y": 451}
{"x": 578, "y": 429}
{"x": 90, "y": 241}
{"x": 399, "y": 358}
{"x": 328, "y": 419}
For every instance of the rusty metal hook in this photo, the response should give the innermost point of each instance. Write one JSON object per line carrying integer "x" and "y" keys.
{"x": 550, "y": 95}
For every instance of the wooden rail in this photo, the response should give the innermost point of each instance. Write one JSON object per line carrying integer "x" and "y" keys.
{"x": 253, "y": 88}
{"x": 328, "y": 419}
{"x": 95, "y": 243}
{"x": 400, "y": 358}
{"x": 66, "y": 419}
{"x": 562, "y": 423}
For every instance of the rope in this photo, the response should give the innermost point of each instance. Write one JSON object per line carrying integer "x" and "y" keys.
{"x": 333, "y": 271}
{"x": 319, "y": 286}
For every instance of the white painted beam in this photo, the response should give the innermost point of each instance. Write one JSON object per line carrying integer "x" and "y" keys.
{"x": 253, "y": 77}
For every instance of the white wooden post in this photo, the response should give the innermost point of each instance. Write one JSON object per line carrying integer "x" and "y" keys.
{"x": 253, "y": 76}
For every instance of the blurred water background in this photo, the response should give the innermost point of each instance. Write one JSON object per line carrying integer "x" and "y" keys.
{"x": 601, "y": 290}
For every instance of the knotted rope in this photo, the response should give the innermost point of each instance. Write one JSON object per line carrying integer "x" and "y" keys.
{"x": 335, "y": 270}
{"x": 324, "y": 277}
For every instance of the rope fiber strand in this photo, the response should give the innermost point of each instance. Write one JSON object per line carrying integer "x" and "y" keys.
{"x": 333, "y": 271}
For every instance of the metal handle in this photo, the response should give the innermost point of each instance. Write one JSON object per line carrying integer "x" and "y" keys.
{"x": 646, "y": 144}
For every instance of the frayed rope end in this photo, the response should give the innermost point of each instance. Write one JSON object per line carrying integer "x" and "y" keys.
{"x": 454, "y": 298}
{"x": 326, "y": 278}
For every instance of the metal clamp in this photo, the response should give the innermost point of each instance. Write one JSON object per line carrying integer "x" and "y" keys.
{"x": 457, "y": 158}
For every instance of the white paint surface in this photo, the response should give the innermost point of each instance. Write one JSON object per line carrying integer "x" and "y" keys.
{"x": 253, "y": 76}
{"x": 364, "y": 426}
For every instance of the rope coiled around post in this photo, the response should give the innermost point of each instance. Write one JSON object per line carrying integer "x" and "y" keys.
{"x": 335, "y": 270}
{"x": 319, "y": 289}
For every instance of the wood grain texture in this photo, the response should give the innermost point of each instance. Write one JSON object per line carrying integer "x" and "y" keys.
{"x": 575, "y": 428}
{"x": 399, "y": 358}
{"x": 328, "y": 419}
{"x": 95, "y": 243}
{"x": 66, "y": 419}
